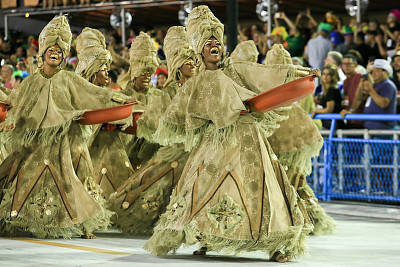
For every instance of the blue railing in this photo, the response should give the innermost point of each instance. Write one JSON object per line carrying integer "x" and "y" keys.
{"x": 366, "y": 168}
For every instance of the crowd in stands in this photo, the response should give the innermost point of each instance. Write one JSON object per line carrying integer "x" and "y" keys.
{"x": 359, "y": 62}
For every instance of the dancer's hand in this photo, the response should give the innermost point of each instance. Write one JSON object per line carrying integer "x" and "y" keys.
{"x": 131, "y": 101}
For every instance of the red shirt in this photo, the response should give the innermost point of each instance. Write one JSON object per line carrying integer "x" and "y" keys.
{"x": 350, "y": 89}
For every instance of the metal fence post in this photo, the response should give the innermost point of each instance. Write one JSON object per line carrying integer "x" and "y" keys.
{"x": 395, "y": 166}
{"x": 367, "y": 167}
{"x": 327, "y": 186}
{"x": 340, "y": 161}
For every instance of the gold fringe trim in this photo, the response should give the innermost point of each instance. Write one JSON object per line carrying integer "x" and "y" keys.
{"x": 299, "y": 161}
{"x": 323, "y": 223}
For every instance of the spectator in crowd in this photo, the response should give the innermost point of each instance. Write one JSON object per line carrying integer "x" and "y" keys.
{"x": 33, "y": 48}
{"x": 20, "y": 53}
{"x": 371, "y": 41}
{"x": 22, "y": 69}
{"x": 261, "y": 42}
{"x": 348, "y": 43}
{"x": 335, "y": 35}
{"x": 311, "y": 25}
{"x": 297, "y": 61}
{"x": 162, "y": 76}
{"x": 295, "y": 41}
{"x": 330, "y": 98}
{"x": 362, "y": 48}
{"x": 396, "y": 69}
{"x": 6, "y": 74}
{"x": 380, "y": 94}
{"x": 383, "y": 100}
{"x": 318, "y": 48}
{"x": 359, "y": 68}
{"x": 71, "y": 60}
{"x": 391, "y": 30}
{"x": 350, "y": 86}
{"x": 113, "y": 75}
{"x": 335, "y": 58}
{"x": 16, "y": 80}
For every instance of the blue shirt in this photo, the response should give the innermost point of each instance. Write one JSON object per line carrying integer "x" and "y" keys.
{"x": 386, "y": 89}
{"x": 317, "y": 50}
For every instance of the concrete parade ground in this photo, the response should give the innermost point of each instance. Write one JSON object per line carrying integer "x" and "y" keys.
{"x": 366, "y": 235}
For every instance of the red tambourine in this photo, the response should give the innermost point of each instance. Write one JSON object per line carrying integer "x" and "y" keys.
{"x": 104, "y": 115}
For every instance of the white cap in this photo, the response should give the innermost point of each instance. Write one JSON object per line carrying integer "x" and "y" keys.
{"x": 383, "y": 64}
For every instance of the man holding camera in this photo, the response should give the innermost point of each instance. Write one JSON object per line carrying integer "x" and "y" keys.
{"x": 379, "y": 94}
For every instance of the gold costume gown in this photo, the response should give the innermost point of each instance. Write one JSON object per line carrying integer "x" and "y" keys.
{"x": 139, "y": 149}
{"x": 296, "y": 142}
{"x": 233, "y": 195}
{"x": 43, "y": 194}
{"x": 139, "y": 203}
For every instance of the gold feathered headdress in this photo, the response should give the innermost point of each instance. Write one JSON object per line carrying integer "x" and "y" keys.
{"x": 92, "y": 53}
{"x": 57, "y": 31}
{"x": 201, "y": 26}
{"x": 245, "y": 51}
{"x": 177, "y": 51}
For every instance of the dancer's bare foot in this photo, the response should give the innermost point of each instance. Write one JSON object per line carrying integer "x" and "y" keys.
{"x": 279, "y": 257}
{"x": 88, "y": 236}
{"x": 200, "y": 252}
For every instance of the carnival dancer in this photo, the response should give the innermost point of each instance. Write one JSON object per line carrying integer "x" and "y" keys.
{"x": 41, "y": 193}
{"x": 233, "y": 195}
{"x": 110, "y": 160}
{"x": 143, "y": 198}
{"x": 136, "y": 84}
{"x": 294, "y": 150}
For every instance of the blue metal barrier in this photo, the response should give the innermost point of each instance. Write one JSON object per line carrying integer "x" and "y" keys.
{"x": 366, "y": 169}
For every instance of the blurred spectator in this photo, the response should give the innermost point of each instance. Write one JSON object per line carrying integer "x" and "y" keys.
{"x": 350, "y": 86}
{"x": 162, "y": 76}
{"x": 391, "y": 30}
{"x": 335, "y": 36}
{"x": 6, "y": 74}
{"x": 33, "y": 48}
{"x": 71, "y": 60}
{"x": 371, "y": 41}
{"x": 113, "y": 75}
{"x": 261, "y": 43}
{"x": 15, "y": 81}
{"x": 318, "y": 48}
{"x": 329, "y": 99}
{"x": 311, "y": 24}
{"x": 297, "y": 61}
{"x": 22, "y": 70}
{"x": 160, "y": 35}
{"x": 20, "y": 53}
{"x": 295, "y": 41}
{"x": 357, "y": 55}
{"x": 396, "y": 70}
{"x": 335, "y": 58}
{"x": 362, "y": 48}
{"x": 348, "y": 41}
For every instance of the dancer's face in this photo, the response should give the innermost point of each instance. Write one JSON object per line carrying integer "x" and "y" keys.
{"x": 101, "y": 77}
{"x": 188, "y": 68}
{"x": 53, "y": 56}
{"x": 212, "y": 51}
{"x": 142, "y": 81}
